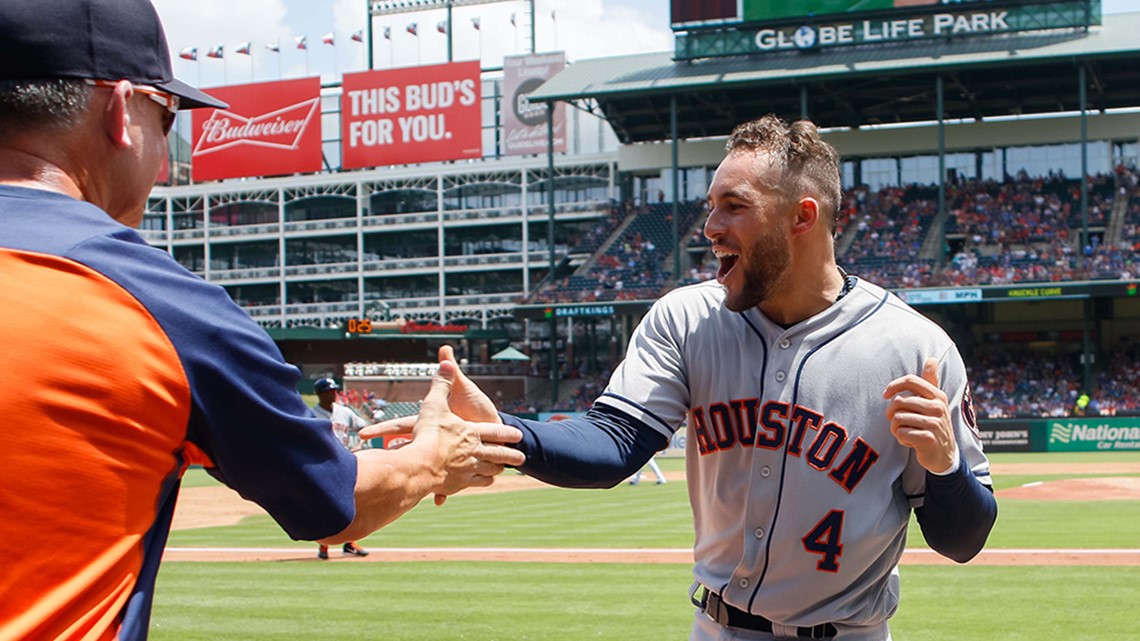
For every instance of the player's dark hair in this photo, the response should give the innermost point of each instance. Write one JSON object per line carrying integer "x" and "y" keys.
{"x": 810, "y": 161}
{"x": 53, "y": 105}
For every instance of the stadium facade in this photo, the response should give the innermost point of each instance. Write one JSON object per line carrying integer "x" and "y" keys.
{"x": 939, "y": 95}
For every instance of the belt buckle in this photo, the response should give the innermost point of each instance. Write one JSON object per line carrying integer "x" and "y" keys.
{"x": 707, "y": 601}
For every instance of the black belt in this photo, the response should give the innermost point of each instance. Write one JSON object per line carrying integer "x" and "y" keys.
{"x": 711, "y": 604}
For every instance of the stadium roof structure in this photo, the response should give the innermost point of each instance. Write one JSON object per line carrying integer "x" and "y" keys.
{"x": 983, "y": 77}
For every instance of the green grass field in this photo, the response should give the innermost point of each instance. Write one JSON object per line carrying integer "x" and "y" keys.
{"x": 487, "y": 601}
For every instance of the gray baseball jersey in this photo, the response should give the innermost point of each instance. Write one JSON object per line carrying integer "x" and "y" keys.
{"x": 800, "y": 493}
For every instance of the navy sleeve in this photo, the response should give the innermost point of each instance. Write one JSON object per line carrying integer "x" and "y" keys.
{"x": 957, "y": 514}
{"x": 246, "y": 413}
{"x": 598, "y": 450}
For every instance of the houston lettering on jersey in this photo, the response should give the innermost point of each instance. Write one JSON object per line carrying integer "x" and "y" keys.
{"x": 745, "y": 423}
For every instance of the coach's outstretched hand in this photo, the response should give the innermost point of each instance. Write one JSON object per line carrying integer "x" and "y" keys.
{"x": 920, "y": 418}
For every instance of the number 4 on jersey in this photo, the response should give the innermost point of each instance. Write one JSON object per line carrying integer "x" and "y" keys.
{"x": 824, "y": 539}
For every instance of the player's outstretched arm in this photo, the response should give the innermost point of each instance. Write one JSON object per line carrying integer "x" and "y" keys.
{"x": 446, "y": 455}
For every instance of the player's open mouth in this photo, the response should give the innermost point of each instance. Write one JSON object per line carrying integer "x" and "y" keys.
{"x": 727, "y": 262}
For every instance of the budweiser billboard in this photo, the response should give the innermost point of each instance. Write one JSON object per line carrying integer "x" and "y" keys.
{"x": 524, "y": 124}
{"x": 411, "y": 115}
{"x": 270, "y": 128}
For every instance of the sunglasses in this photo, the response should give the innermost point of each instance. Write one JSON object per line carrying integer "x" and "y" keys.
{"x": 167, "y": 100}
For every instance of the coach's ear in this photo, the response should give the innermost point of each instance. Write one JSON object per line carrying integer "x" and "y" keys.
{"x": 807, "y": 216}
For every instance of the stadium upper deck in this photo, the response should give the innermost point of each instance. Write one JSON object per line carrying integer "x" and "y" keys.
{"x": 469, "y": 240}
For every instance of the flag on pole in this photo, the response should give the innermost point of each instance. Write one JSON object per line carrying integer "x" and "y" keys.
{"x": 387, "y": 33}
{"x": 358, "y": 35}
{"x": 302, "y": 42}
{"x": 552, "y": 16}
{"x": 513, "y": 24}
{"x": 441, "y": 26}
{"x": 216, "y": 52}
{"x": 412, "y": 29}
{"x": 189, "y": 53}
{"x": 475, "y": 23}
{"x": 243, "y": 48}
{"x": 274, "y": 47}
{"x": 328, "y": 39}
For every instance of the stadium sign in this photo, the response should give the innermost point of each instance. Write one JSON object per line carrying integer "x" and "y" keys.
{"x": 941, "y": 296}
{"x": 1092, "y": 435}
{"x": 269, "y": 129}
{"x": 867, "y": 31}
{"x": 524, "y": 122}
{"x": 580, "y": 311}
{"x": 411, "y": 115}
{"x": 793, "y": 28}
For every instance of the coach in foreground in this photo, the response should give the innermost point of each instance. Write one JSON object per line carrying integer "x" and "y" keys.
{"x": 821, "y": 409}
{"x": 118, "y": 366}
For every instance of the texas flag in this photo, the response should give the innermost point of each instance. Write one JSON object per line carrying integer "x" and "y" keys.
{"x": 243, "y": 48}
{"x": 441, "y": 26}
{"x": 475, "y": 23}
{"x": 274, "y": 47}
{"x": 387, "y": 33}
{"x": 216, "y": 52}
{"x": 358, "y": 35}
{"x": 413, "y": 30}
{"x": 189, "y": 53}
{"x": 328, "y": 39}
{"x": 302, "y": 42}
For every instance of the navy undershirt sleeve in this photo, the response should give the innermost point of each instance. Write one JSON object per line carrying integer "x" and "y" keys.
{"x": 957, "y": 514}
{"x": 598, "y": 450}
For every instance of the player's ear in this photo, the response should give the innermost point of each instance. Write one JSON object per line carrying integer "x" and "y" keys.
{"x": 807, "y": 215}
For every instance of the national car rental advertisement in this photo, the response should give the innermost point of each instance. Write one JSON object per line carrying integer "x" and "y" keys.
{"x": 411, "y": 115}
{"x": 269, "y": 129}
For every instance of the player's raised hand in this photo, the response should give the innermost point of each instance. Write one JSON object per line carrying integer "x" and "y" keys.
{"x": 920, "y": 417}
{"x": 467, "y": 400}
{"x": 469, "y": 453}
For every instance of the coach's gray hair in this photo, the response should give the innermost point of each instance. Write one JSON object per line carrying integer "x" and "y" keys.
{"x": 810, "y": 162}
{"x": 48, "y": 105}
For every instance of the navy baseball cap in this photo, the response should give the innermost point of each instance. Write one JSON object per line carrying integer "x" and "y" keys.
{"x": 325, "y": 385}
{"x": 90, "y": 39}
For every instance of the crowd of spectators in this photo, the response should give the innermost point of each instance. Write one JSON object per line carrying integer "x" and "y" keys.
{"x": 1023, "y": 383}
{"x": 633, "y": 266}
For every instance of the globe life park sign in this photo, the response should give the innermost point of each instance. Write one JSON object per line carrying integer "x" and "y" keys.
{"x": 730, "y": 37}
{"x": 870, "y": 31}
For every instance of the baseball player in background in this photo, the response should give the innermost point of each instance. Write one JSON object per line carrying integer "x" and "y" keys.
{"x": 821, "y": 410}
{"x": 346, "y": 426}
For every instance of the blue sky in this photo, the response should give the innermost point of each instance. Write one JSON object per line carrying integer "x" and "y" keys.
{"x": 583, "y": 28}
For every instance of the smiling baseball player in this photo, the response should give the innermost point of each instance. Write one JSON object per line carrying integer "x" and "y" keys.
{"x": 821, "y": 410}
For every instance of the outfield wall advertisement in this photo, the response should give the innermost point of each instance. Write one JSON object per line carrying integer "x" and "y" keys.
{"x": 411, "y": 115}
{"x": 1093, "y": 434}
{"x": 269, "y": 129}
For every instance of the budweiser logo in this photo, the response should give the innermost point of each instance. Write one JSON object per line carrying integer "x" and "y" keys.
{"x": 279, "y": 129}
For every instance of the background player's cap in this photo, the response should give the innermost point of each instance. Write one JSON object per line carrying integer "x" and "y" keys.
{"x": 90, "y": 39}
{"x": 325, "y": 385}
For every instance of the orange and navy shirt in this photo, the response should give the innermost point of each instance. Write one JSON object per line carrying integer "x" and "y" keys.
{"x": 118, "y": 368}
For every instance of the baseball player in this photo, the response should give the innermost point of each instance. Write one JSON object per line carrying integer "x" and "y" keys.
{"x": 346, "y": 426}
{"x": 821, "y": 410}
